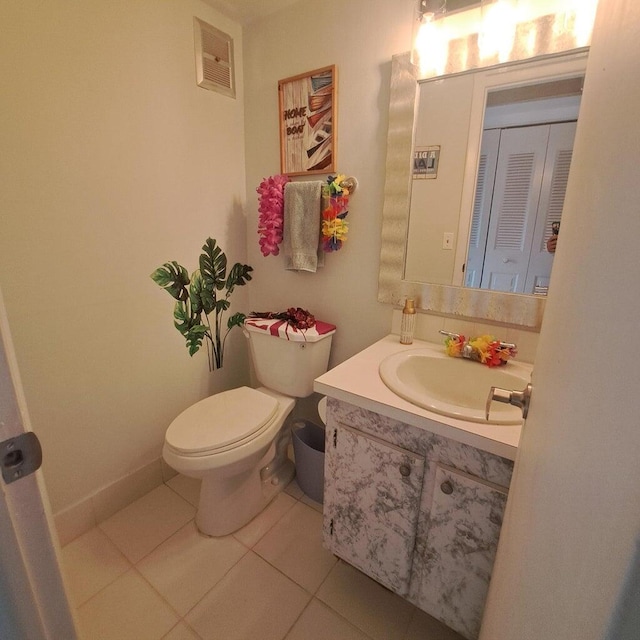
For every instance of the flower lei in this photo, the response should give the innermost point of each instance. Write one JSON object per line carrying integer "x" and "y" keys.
{"x": 271, "y": 220}
{"x": 485, "y": 349}
{"x": 335, "y": 200}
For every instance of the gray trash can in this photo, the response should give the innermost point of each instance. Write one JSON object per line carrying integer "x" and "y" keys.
{"x": 308, "y": 450}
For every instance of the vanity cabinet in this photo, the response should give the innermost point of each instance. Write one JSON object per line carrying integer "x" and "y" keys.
{"x": 417, "y": 512}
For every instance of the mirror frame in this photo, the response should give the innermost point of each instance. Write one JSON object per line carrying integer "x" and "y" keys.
{"x": 518, "y": 310}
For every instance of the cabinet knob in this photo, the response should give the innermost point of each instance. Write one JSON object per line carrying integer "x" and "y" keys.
{"x": 405, "y": 470}
{"x": 446, "y": 487}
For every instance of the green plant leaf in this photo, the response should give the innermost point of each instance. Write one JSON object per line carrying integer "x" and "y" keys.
{"x": 239, "y": 275}
{"x": 213, "y": 265}
{"x": 173, "y": 278}
{"x": 198, "y": 295}
{"x": 202, "y": 298}
{"x": 236, "y": 320}
{"x": 222, "y": 305}
{"x": 182, "y": 318}
{"x": 194, "y": 338}
{"x": 189, "y": 326}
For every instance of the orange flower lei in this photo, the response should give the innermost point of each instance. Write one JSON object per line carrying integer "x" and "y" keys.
{"x": 335, "y": 203}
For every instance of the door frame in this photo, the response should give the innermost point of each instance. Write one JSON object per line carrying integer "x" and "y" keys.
{"x": 549, "y": 68}
{"x": 33, "y": 598}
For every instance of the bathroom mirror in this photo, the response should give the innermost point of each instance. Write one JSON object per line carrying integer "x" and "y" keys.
{"x": 440, "y": 223}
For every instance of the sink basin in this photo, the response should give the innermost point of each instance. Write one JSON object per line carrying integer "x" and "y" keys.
{"x": 453, "y": 386}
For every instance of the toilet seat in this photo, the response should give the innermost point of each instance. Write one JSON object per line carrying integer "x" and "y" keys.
{"x": 221, "y": 422}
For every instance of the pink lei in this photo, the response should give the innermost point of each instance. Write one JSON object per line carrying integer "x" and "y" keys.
{"x": 271, "y": 221}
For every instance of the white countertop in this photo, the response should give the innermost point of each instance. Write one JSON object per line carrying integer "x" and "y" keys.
{"x": 357, "y": 382}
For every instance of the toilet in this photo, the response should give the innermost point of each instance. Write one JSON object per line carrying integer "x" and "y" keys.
{"x": 236, "y": 441}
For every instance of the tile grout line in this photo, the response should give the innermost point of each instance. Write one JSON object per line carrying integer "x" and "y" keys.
{"x": 115, "y": 546}
{"x": 182, "y": 618}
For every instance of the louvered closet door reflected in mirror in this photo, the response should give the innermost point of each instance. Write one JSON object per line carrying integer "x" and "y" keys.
{"x": 512, "y": 221}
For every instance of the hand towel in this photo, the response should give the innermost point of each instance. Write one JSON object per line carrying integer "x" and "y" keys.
{"x": 301, "y": 234}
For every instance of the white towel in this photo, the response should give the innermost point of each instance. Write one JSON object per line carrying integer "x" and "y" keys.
{"x": 302, "y": 220}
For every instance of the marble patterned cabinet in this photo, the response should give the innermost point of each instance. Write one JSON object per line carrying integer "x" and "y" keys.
{"x": 418, "y": 512}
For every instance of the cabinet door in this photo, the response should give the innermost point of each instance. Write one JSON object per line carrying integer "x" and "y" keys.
{"x": 371, "y": 503}
{"x": 462, "y": 537}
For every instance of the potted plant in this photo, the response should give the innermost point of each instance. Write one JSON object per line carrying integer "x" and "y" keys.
{"x": 206, "y": 292}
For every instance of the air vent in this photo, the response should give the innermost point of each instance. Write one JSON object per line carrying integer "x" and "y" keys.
{"x": 515, "y": 202}
{"x": 214, "y": 59}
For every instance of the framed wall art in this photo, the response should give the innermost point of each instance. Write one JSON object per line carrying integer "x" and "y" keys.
{"x": 307, "y": 107}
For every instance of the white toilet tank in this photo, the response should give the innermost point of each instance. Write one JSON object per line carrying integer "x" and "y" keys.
{"x": 285, "y": 359}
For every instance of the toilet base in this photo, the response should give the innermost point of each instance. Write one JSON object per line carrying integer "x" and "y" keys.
{"x": 227, "y": 504}
{"x": 273, "y": 485}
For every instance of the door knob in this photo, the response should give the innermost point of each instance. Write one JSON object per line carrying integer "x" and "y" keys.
{"x": 446, "y": 487}
{"x": 20, "y": 456}
{"x": 516, "y": 398}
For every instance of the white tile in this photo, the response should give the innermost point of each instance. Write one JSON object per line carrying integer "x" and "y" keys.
{"x": 90, "y": 563}
{"x": 189, "y": 564}
{"x": 188, "y": 488}
{"x": 318, "y": 622}
{"x": 294, "y": 545}
{"x": 253, "y": 600}
{"x": 74, "y": 521}
{"x": 128, "y": 609}
{"x": 425, "y": 627}
{"x": 181, "y": 632}
{"x": 375, "y": 610}
{"x": 428, "y": 327}
{"x": 252, "y": 532}
{"x": 126, "y": 490}
{"x": 148, "y": 522}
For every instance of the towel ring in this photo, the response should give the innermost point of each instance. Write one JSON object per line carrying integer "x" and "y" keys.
{"x": 350, "y": 184}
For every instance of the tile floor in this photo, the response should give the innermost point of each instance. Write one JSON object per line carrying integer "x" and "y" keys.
{"x": 147, "y": 574}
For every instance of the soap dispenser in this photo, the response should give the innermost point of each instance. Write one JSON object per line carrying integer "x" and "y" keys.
{"x": 408, "y": 322}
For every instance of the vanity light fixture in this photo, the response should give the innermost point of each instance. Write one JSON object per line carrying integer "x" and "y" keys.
{"x": 453, "y": 36}
{"x": 497, "y": 30}
{"x": 429, "y": 9}
{"x": 428, "y": 37}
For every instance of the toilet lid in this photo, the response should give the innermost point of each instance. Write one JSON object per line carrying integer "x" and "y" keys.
{"x": 221, "y": 420}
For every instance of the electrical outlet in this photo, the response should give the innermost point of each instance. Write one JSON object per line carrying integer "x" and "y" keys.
{"x": 447, "y": 240}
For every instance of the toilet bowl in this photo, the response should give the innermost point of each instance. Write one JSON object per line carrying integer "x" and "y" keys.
{"x": 236, "y": 441}
{"x": 224, "y": 440}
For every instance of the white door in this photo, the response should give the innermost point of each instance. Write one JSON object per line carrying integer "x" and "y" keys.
{"x": 572, "y": 523}
{"x": 552, "y": 193}
{"x": 481, "y": 207}
{"x": 515, "y": 202}
{"x": 530, "y": 183}
{"x": 33, "y": 602}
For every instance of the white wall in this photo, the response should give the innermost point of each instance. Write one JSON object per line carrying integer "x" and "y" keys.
{"x": 113, "y": 161}
{"x": 359, "y": 37}
{"x": 444, "y": 112}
